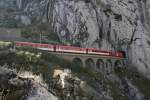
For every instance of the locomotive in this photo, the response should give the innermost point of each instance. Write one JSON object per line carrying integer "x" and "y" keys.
{"x": 71, "y": 49}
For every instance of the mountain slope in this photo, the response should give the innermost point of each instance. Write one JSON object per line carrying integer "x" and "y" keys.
{"x": 106, "y": 24}
{"x": 28, "y": 74}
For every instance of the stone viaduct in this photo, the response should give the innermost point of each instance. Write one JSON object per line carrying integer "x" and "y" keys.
{"x": 103, "y": 64}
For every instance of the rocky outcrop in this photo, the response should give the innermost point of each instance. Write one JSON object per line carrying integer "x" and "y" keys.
{"x": 64, "y": 86}
{"x": 131, "y": 90}
{"x": 106, "y": 24}
{"x": 71, "y": 87}
{"x": 48, "y": 80}
{"x": 23, "y": 85}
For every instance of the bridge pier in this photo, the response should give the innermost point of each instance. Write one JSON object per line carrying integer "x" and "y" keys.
{"x": 105, "y": 65}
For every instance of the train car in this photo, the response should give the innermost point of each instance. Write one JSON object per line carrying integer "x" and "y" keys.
{"x": 70, "y": 49}
{"x": 121, "y": 54}
{"x": 106, "y": 53}
{"x": 47, "y": 47}
{"x": 97, "y": 52}
{"x": 25, "y": 44}
{"x": 117, "y": 54}
{"x": 22, "y": 43}
{"x": 36, "y": 45}
{"x": 113, "y": 53}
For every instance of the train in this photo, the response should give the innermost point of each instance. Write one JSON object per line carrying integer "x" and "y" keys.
{"x": 71, "y": 49}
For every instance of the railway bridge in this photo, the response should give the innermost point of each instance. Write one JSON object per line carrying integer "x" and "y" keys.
{"x": 103, "y": 61}
{"x": 104, "y": 64}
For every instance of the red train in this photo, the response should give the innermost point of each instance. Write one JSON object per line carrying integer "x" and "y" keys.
{"x": 71, "y": 49}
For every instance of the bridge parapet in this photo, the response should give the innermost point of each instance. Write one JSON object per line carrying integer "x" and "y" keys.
{"x": 103, "y": 64}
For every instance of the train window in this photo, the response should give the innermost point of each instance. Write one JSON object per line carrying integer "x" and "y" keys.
{"x": 63, "y": 47}
{"x": 25, "y": 44}
{"x": 42, "y": 45}
{"x": 96, "y": 50}
{"x": 35, "y": 45}
{"x": 45, "y": 46}
{"x": 19, "y": 44}
{"x": 30, "y": 44}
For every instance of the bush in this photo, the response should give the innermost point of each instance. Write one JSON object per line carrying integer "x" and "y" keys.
{"x": 5, "y": 45}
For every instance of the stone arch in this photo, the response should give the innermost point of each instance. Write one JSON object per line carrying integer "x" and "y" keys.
{"x": 108, "y": 67}
{"x": 89, "y": 63}
{"x": 77, "y": 61}
{"x": 100, "y": 65}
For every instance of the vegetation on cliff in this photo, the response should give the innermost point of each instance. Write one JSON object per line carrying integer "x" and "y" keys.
{"x": 41, "y": 62}
{"x": 83, "y": 83}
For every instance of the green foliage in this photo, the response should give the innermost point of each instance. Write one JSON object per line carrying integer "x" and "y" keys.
{"x": 29, "y": 57}
{"x": 8, "y": 23}
{"x": 4, "y": 44}
{"x": 53, "y": 36}
{"x": 26, "y": 33}
{"x": 39, "y": 31}
{"x": 137, "y": 79}
{"x": 24, "y": 59}
{"x": 93, "y": 77}
{"x": 16, "y": 94}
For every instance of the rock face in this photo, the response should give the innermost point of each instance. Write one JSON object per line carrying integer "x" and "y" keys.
{"x": 24, "y": 86}
{"x": 106, "y": 24}
{"x": 131, "y": 90}
{"x": 63, "y": 86}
